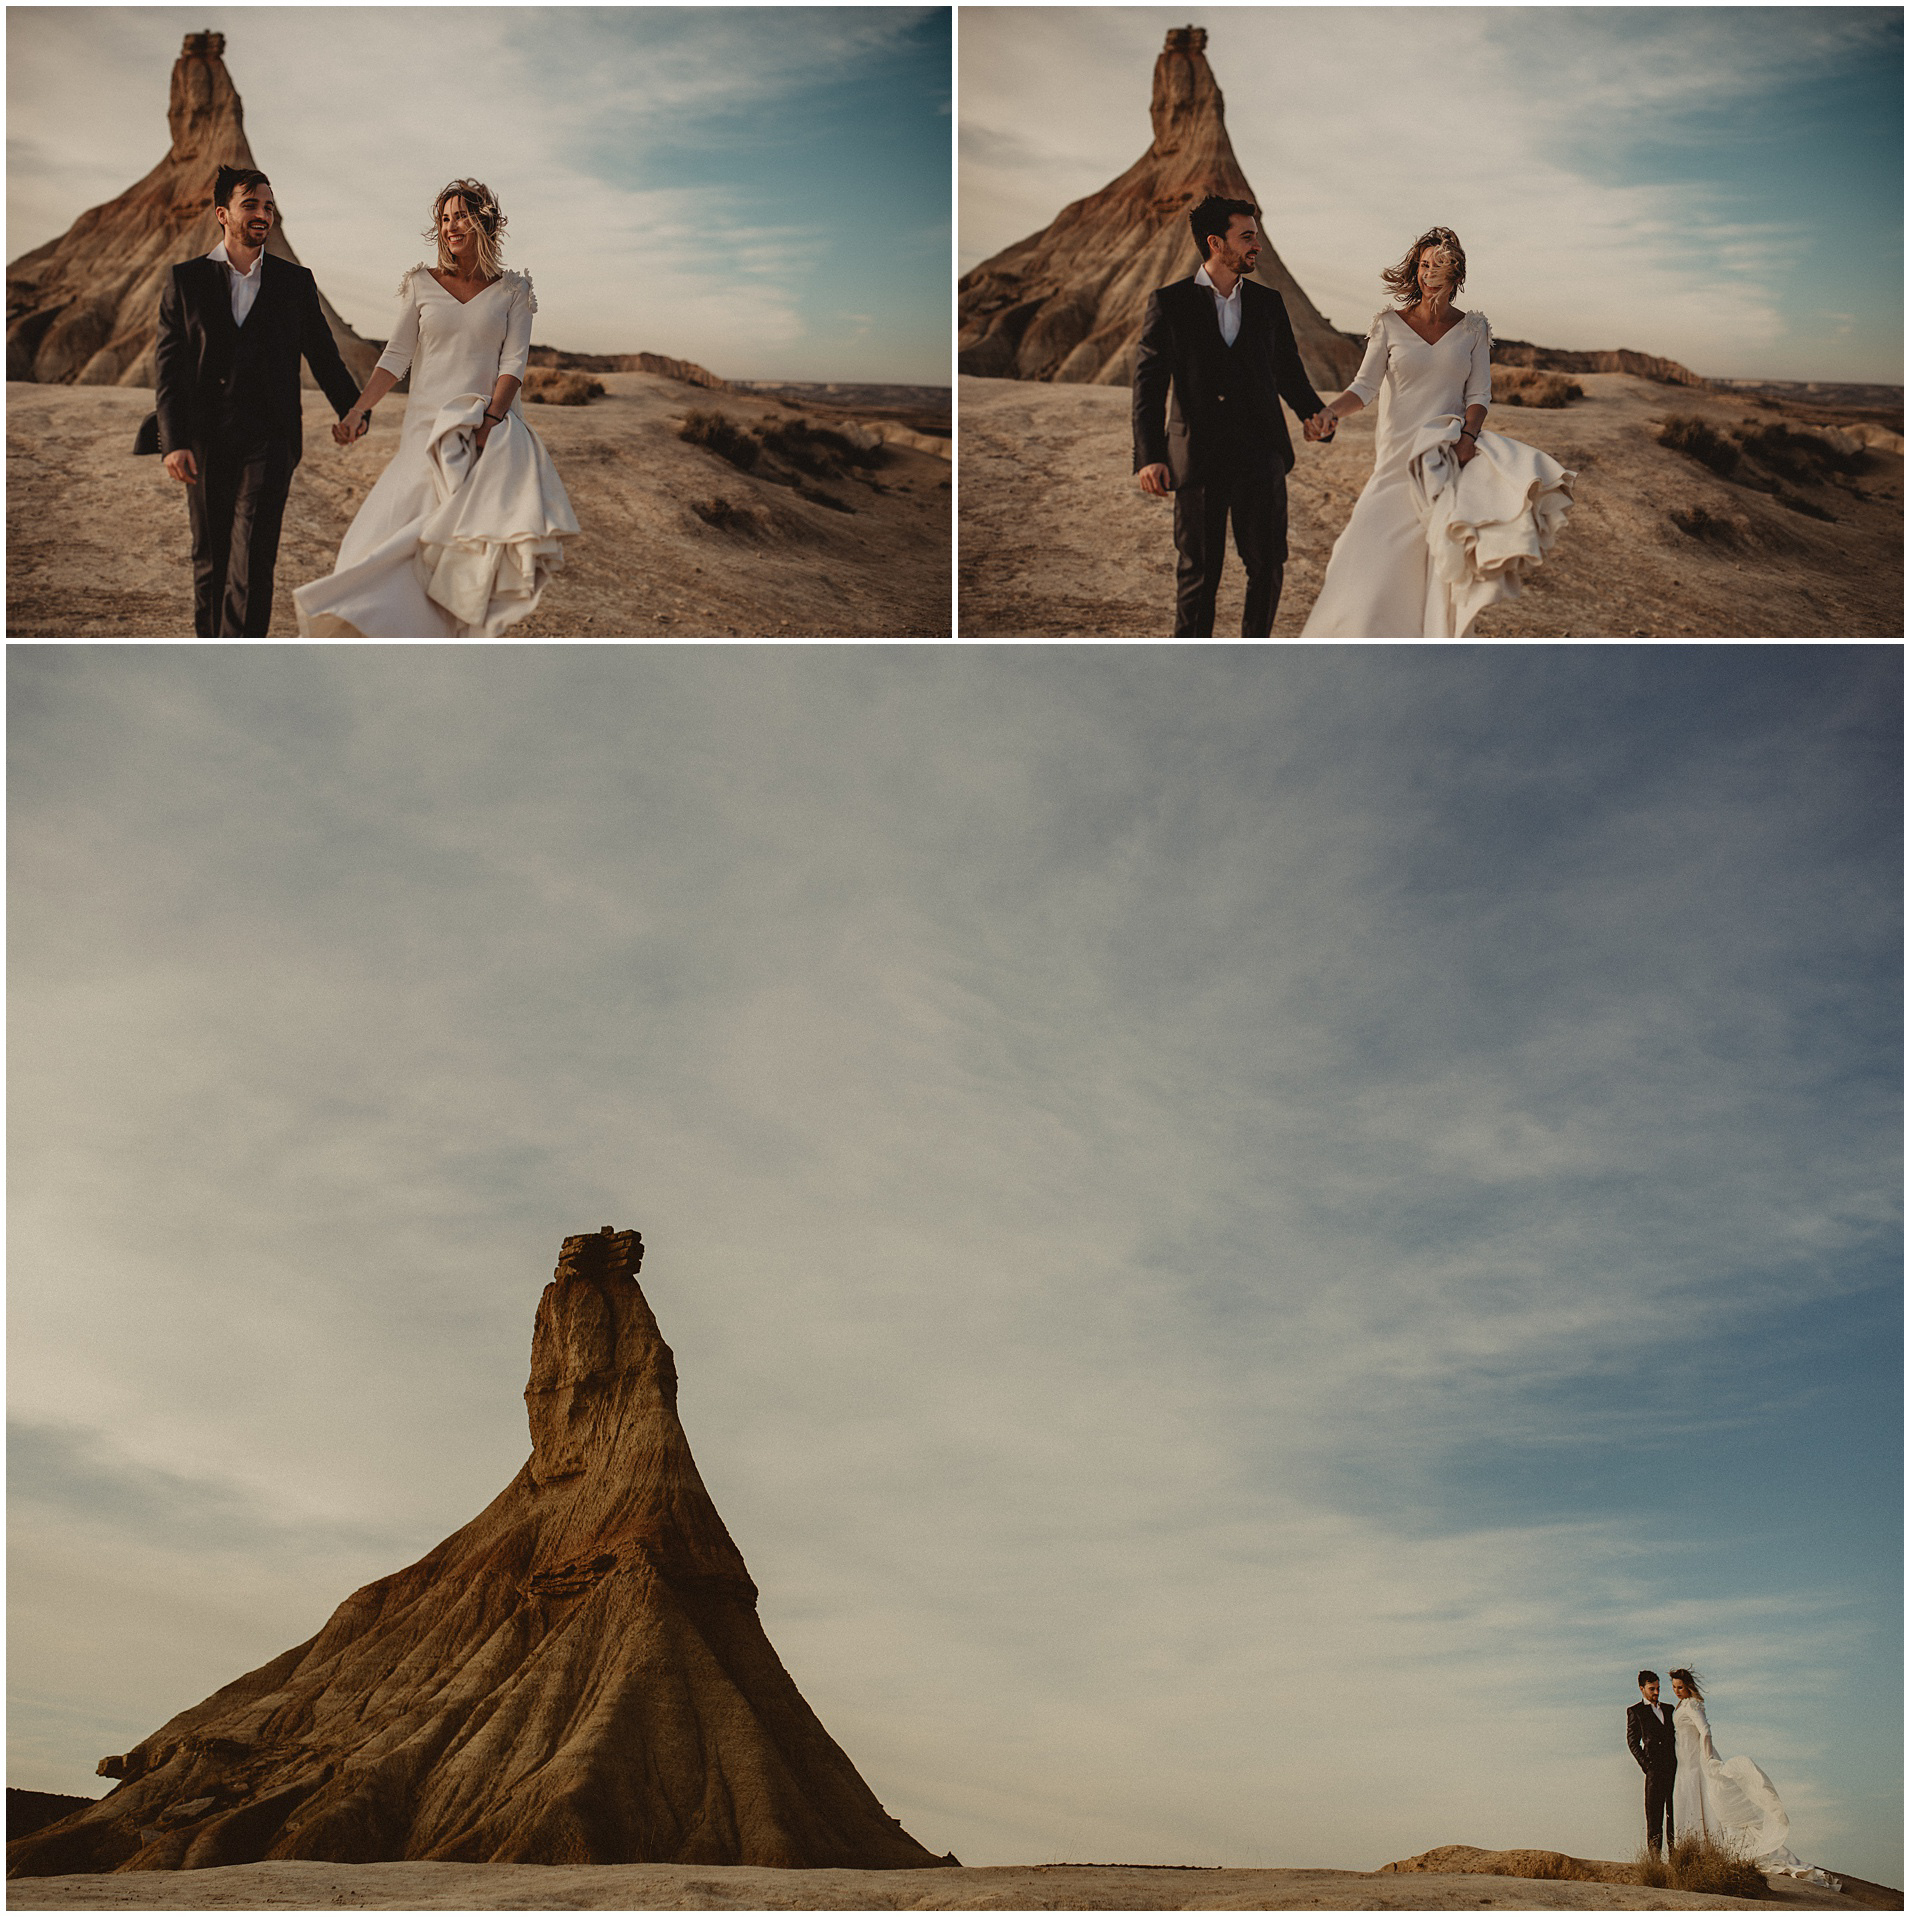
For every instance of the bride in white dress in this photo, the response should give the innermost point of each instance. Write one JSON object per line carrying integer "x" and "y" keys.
{"x": 1729, "y": 1800}
{"x": 463, "y": 529}
{"x": 1453, "y": 515}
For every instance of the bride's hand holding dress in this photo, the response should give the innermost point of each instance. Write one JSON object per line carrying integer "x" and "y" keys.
{"x": 1422, "y": 554}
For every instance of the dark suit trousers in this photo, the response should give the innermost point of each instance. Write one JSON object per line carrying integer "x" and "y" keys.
{"x": 237, "y": 509}
{"x": 1658, "y": 1785}
{"x": 1258, "y": 508}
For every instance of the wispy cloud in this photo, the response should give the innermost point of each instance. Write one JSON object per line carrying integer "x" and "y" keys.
{"x": 667, "y": 172}
{"x": 1573, "y": 156}
{"x": 1214, "y": 1208}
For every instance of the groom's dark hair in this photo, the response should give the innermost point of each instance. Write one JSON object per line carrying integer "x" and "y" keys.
{"x": 232, "y": 178}
{"x": 1212, "y": 217}
{"x": 1647, "y": 1677}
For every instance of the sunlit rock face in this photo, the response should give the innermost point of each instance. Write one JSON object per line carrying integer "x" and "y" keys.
{"x": 84, "y": 309}
{"x": 578, "y": 1676}
{"x": 1067, "y": 303}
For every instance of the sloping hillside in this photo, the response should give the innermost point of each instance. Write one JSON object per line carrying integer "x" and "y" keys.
{"x": 97, "y": 542}
{"x": 1056, "y": 540}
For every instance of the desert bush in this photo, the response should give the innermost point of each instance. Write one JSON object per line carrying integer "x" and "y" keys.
{"x": 1700, "y": 1864}
{"x": 1708, "y": 526}
{"x": 1686, "y": 433}
{"x": 1798, "y": 456}
{"x": 1520, "y": 386}
{"x": 816, "y": 449}
{"x": 723, "y": 437}
{"x": 724, "y": 516}
{"x": 545, "y": 387}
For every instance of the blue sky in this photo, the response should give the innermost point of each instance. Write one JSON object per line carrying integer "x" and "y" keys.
{"x": 1722, "y": 186}
{"x": 1247, "y": 1231}
{"x": 763, "y": 190}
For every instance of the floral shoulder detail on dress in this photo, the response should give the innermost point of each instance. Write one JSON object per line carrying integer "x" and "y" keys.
{"x": 517, "y": 279}
{"x": 1479, "y": 323}
{"x": 410, "y": 274}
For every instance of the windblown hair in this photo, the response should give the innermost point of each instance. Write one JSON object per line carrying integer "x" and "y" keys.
{"x": 1403, "y": 280}
{"x": 1212, "y": 217}
{"x": 233, "y": 179}
{"x": 487, "y": 221}
{"x": 1690, "y": 1681}
{"x": 1647, "y": 1677}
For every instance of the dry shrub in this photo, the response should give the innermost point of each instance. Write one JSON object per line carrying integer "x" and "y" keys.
{"x": 1521, "y": 386}
{"x": 724, "y": 516}
{"x": 1697, "y": 439}
{"x": 1711, "y": 527}
{"x": 1554, "y": 1864}
{"x": 545, "y": 386}
{"x": 1701, "y": 1864}
{"x": 816, "y": 449}
{"x": 1799, "y": 457}
{"x": 723, "y": 437}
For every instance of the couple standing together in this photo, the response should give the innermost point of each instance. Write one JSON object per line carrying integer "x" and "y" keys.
{"x": 1691, "y": 1792}
{"x": 1423, "y": 553}
{"x": 463, "y": 528}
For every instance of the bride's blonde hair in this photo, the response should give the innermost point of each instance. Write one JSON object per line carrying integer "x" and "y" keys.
{"x": 1403, "y": 279}
{"x": 1689, "y": 1679}
{"x": 487, "y": 224}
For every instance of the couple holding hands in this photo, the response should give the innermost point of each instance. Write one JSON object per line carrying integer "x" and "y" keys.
{"x": 1422, "y": 554}
{"x": 464, "y": 526}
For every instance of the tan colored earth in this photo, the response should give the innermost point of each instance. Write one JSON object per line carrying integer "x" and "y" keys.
{"x": 317, "y": 1886}
{"x": 97, "y": 542}
{"x": 1056, "y": 540}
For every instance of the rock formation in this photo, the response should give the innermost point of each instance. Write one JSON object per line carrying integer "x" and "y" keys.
{"x": 1067, "y": 303}
{"x": 85, "y": 308}
{"x": 1560, "y": 359}
{"x": 578, "y": 1676}
{"x": 664, "y": 367}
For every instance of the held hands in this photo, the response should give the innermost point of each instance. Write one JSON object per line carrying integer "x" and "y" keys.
{"x": 354, "y": 425}
{"x": 1321, "y": 425}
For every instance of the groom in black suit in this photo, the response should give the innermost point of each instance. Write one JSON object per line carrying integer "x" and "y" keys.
{"x": 1224, "y": 345}
{"x": 232, "y": 329}
{"x": 1650, "y": 1738}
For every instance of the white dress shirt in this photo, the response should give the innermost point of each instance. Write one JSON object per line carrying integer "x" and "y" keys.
{"x": 1226, "y": 306}
{"x": 245, "y": 286}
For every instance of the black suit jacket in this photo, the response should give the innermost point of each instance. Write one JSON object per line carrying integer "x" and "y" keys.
{"x": 214, "y": 377}
{"x": 1655, "y": 1745}
{"x": 1225, "y": 408}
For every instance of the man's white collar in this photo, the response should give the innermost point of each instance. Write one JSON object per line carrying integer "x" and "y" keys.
{"x": 225, "y": 259}
{"x": 1203, "y": 278}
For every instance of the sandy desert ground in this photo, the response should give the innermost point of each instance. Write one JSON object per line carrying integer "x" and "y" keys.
{"x": 1055, "y": 539}
{"x": 97, "y": 542}
{"x": 308, "y": 1886}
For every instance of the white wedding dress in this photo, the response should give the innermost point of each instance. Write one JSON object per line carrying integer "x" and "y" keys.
{"x": 1432, "y": 543}
{"x": 1730, "y": 1800}
{"x": 448, "y": 544}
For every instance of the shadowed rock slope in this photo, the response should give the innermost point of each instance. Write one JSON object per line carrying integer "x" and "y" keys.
{"x": 1067, "y": 303}
{"x": 85, "y": 308}
{"x": 577, "y": 1676}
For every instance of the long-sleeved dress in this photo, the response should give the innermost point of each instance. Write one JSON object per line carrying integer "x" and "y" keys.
{"x": 1729, "y": 1799}
{"x": 1430, "y": 543}
{"x": 447, "y": 543}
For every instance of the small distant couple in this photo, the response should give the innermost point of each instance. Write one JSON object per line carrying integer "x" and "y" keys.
{"x": 1425, "y": 551}
{"x": 465, "y": 525}
{"x": 1690, "y": 1791}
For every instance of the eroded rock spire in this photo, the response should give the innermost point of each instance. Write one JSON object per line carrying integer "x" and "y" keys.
{"x": 578, "y": 1676}
{"x": 1067, "y": 302}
